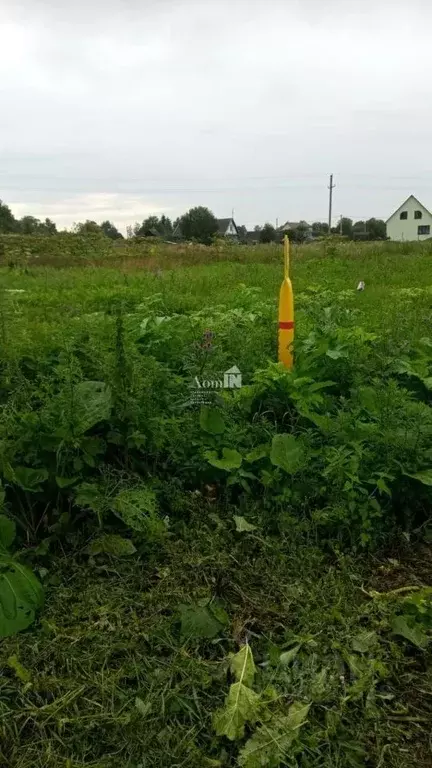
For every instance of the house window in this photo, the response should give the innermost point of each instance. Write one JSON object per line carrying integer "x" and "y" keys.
{"x": 423, "y": 229}
{"x": 404, "y": 215}
{"x": 418, "y": 214}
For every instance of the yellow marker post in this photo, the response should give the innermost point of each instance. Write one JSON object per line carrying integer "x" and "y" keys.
{"x": 286, "y": 314}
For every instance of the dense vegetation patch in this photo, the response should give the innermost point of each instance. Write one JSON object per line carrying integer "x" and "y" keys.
{"x": 212, "y": 596}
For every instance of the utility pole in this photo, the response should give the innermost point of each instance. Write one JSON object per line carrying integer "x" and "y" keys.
{"x": 331, "y": 188}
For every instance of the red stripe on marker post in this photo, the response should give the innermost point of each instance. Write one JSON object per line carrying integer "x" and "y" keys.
{"x": 287, "y": 326}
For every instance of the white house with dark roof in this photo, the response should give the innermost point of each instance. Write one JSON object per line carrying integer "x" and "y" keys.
{"x": 293, "y": 225}
{"x": 226, "y": 228}
{"x": 411, "y": 221}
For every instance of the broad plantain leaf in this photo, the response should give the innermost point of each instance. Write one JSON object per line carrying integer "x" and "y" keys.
{"x": 241, "y": 707}
{"x": 198, "y": 620}
{"x": 287, "y": 453}
{"x": 242, "y": 524}
{"x": 211, "y": 420}
{"x": 112, "y": 544}
{"x": 20, "y": 595}
{"x": 271, "y": 744}
{"x": 242, "y": 665}
{"x": 231, "y": 459}
{"x": 65, "y": 482}
{"x": 29, "y": 479}
{"x": 414, "y": 634}
{"x": 7, "y": 532}
{"x": 92, "y": 403}
{"x": 257, "y": 453}
{"x": 424, "y": 476}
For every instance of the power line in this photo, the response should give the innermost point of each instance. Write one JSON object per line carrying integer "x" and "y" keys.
{"x": 130, "y": 188}
{"x": 296, "y": 175}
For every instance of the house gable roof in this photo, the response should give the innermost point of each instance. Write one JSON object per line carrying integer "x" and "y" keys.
{"x": 292, "y": 225}
{"x": 411, "y": 197}
{"x": 223, "y": 225}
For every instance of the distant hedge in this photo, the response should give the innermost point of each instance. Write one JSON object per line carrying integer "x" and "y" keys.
{"x": 63, "y": 249}
{"x": 70, "y": 250}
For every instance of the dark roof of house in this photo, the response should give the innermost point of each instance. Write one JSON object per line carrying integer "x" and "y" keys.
{"x": 223, "y": 225}
{"x": 292, "y": 225}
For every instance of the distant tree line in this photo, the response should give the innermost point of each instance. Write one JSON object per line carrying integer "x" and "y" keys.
{"x": 198, "y": 224}
{"x": 28, "y": 225}
{"x": 372, "y": 229}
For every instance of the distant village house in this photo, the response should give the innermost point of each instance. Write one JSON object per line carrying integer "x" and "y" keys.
{"x": 226, "y": 228}
{"x": 411, "y": 221}
{"x": 293, "y": 226}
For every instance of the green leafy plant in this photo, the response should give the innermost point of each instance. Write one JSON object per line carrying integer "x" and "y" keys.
{"x": 272, "y": 742}
{"x": 21, "y": 594}
{"x": 111, "y": 544}
{"x": 231, "y": 459}
{"x": 242, "y": 703}
{"x": 287, "y": 453}
{"x": 203, "y": 619}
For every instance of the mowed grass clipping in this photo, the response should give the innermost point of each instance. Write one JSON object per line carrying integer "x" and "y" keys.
{"x": 130, "y": 658}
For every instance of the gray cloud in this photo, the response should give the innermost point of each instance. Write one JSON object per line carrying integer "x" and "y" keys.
{"x": 117, "y": 109}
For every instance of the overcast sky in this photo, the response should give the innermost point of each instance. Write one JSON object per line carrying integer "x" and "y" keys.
{"x": 123, "y": 108}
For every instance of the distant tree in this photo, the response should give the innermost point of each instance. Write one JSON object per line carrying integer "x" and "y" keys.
{"x": 299, "y": 233}
{"x": 242, "y": 232}
{"x": 8, "y": 222}
{"x": 302, "y": 232}
{"x": 345, "y": 227}
{"x": 28, "y": 225}
{"x": 257, "y": 228}
{"x": 360, "y": 230}
{"x": 267, "y": 233}
{"x": 165, "y": 226}
{"x": 86, "y": 228}
{"x": 199, "y": 224}
{"x": 49, "y": 227}
{"x": 320, "y": 228}
{"x": 376, "y": 229}
{"x": 111, "y": 231}
{"x": 153, "y": 226}
{"x": 148, "y": 227}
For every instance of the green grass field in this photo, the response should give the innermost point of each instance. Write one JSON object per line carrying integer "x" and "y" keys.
{"x": 243, "y": 583}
